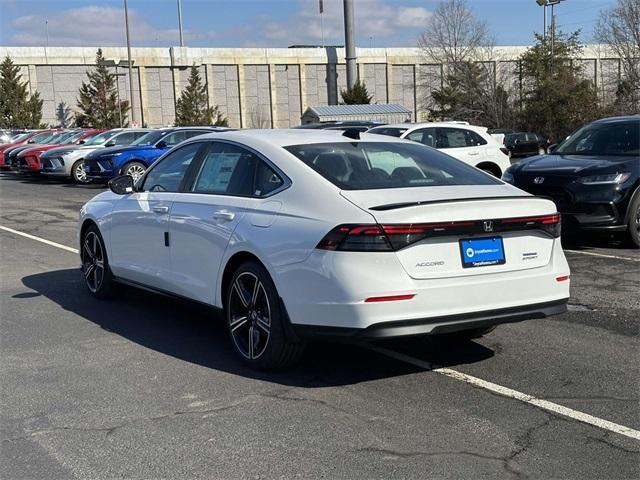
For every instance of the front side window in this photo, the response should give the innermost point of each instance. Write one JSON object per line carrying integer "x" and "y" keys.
{"x": 622, "y": 139}
{"x": 123, "y": 138}
{"x": 379, "y": 165}
{"x": 168, "y": 173}
{"x": 100, "y": 138}
{"x": 149, "y": 138}
{"x": 389, "y": 131}
{"x": 425, "y": 136}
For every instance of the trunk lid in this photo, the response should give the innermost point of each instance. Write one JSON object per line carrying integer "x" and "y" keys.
{"x": 440, "y": 254}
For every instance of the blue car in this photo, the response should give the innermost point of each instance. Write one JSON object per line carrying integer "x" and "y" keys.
{"x": 106, "y": 163}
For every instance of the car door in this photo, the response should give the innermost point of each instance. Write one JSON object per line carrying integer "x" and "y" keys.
{"x": 459, "y": 143}
{"x": 140, "y": 221}
{"x": 204, "y": 218}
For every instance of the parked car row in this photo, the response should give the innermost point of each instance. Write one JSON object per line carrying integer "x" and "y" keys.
{"x": 83, "y": 155}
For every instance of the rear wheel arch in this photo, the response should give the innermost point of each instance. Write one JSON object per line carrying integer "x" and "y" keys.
{"x": 230, "y": 267}
{"x": 490, "y": 167}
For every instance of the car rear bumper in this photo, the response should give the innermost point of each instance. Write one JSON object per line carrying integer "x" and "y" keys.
{"x": 437, "y": 325}
{"x": 330, "y": 291}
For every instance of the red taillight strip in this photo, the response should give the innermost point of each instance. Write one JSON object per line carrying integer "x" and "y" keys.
{"x": 544, "y": 219}
{"x": 422, "y": 227}
{"x": 389, "y": 298}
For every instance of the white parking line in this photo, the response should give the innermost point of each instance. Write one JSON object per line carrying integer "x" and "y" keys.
{"x": 448, "y": 372}
{"x": 38, "y": 239}
{"x": 604, "y": 255}
{"x": 510, "y": 393}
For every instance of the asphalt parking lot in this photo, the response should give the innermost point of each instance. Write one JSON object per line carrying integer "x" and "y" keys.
{"x": 148, "y": 387}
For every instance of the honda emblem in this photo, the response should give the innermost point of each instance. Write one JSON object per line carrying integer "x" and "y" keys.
{"x": 488, "y": 225}
{"x": 538, "y": 180}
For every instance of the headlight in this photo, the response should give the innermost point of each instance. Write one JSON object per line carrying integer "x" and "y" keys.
{"x": 605, "y": 179}
{"x": 507, "y": 176}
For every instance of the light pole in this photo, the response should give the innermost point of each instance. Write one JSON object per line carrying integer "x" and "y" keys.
{"x": 350, "y": 44}
{"x": 134, "y": 116}
{"x": 180, "y": 22}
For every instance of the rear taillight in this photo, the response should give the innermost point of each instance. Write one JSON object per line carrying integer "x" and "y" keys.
{"x": 548, "y": 223}
{"x": 389, "y": 238}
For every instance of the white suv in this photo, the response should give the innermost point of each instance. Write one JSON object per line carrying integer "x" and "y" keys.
{"x": 472, "y": 145}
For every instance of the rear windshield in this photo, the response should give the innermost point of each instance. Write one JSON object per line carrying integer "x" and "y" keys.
{"x": 389, "y": 131}
{"x": 618, "y": 139}
{"x": 375, "y": 165}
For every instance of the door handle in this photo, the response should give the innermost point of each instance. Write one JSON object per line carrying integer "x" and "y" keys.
{"x": 474, "y": 153}
{"x": 224, "y": 215}
{"x": 161, "y": 209}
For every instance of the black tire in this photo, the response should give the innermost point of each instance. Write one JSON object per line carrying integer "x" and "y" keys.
{"x": 633, "y": 226}
{"x": 134, "y": 169}
{"x": 255, "y": 320}
{"x": 96, "y": 273}
{"x": 78, "y": 174}
{"x": 472, "y": 333}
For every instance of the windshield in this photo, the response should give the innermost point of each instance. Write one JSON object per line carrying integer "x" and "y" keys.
{"x": 74, "y": 137}
{"x": 149, "y": 139}
{"x": 619, "y": 139}
{"x": 20, "y": 137}
{"x": 374, "y": 165}
{"x": 100, "y": 138}
{"x": 42, "y": 137}
{"x": 63, "y": 137}
{"x": 391, "y": 132}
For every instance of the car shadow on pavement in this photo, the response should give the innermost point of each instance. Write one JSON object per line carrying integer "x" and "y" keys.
{"x": 45, "y": 180}
{"x": 197, "y": 334}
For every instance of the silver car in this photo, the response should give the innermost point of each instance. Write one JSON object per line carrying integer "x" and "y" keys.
{"x": 68, "y": 161}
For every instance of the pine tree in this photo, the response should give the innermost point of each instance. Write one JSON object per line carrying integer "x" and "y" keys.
{"x": 192, "y": 108}
{"x": 17, "y": 108}
{"x": 64, "y": 115}
{"x": 98, "y": 99}
{"x": 358, "y": 95}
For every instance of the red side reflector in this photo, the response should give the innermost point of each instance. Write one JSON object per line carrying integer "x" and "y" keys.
{"x": 563, "y": 278}
{"x": 390, "y": 298}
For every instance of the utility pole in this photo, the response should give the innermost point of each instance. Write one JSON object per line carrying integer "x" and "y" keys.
{"x": 350, "y": 44}
{"x": 134, "y": 113}
{"x": 180, "y": 22}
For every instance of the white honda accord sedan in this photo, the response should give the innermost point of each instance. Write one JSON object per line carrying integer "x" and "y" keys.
{"x": 299, "y": 233}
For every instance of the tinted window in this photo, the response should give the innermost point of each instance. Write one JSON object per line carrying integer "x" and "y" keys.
{"x": 123, "y": 139}
{"x": 392, "y": 132}
{"x": 267, "y": 180}
{"x": 426, "y": 136}
{"x": 167, "y": 174}
{"x": 458, "y": 138}
{"x": 149, "y": 138}
{"x": 227, "y": 169}
{"x": 100, "y": 138}
{"x": 613, "y": 139}
{"x": 375, "y": 165}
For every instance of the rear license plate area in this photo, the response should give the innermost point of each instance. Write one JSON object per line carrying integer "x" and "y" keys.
{"x": 482, "y": 252}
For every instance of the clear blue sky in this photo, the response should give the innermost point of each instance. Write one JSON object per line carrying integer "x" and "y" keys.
{"x": 272, "y": 23}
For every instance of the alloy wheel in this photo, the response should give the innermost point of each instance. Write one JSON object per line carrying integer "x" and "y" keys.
{"x": 135, "y": 171}
{"x": 80, "y": 174}
{"x": 93, "y": 261}
{"x": 637, "y": 220}
{"x": 249, "y": 315}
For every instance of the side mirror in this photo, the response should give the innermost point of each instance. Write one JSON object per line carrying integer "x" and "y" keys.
{"x": 552, "y": 148}
{"x": 122, "y": 185}
{"x": 161, "y": 144}
{"x": 110, "y": 144}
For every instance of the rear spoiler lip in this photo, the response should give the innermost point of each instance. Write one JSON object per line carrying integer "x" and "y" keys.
{"x": 395, "y": 206}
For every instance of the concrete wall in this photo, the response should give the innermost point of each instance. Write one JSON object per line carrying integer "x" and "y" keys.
{"x": 256, "y": 87}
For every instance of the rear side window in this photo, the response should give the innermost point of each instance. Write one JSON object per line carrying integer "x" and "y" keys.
{"x": 458, "y": 138}
{"x": 124, "y": 138}
{"x": 233, "y": 170}
{"x": 379, "y": 165}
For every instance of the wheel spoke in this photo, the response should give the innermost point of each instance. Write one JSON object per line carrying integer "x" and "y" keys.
{"x": 251, "y": 342}
{"x": 89, "y": 270}
{"x": 87, "y": 248}
{"x": 263, "y": 323}
{"x": 238, "y": 322}
{"x": 256, "y": 288}
{"x": 240, "y": 292}
{"x": 95, "y": 244}
{"x": 100, "y": 264}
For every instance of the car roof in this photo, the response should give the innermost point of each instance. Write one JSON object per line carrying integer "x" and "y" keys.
{"x": 286, "y": 137}
{"x": 617, "y": 119}
{"x": 413, "y": 126}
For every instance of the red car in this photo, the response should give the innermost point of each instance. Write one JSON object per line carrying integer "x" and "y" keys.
{"x": 29, "y": 159}
{"x": 28, "y": 139}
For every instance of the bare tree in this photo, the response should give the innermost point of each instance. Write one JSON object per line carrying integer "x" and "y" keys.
{"x": 259, "y": 117}
{"x": 619, "y": 28}
{"x": 469, "y": 85}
